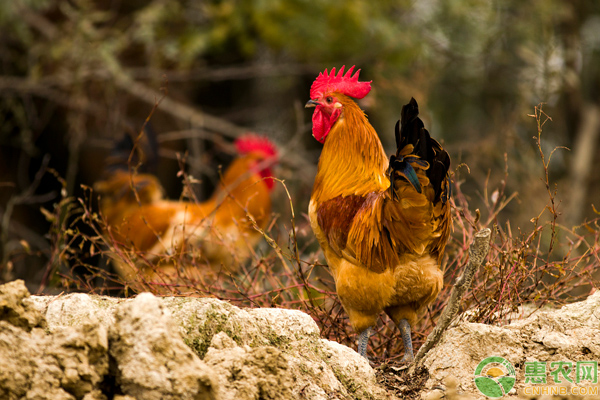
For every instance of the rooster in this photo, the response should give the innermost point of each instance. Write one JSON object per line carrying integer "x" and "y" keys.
{"x": 173, "y": 235}
{"x": 382, "y": 223}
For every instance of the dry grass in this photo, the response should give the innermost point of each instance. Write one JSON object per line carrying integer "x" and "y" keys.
{"x": 543, "y": 264}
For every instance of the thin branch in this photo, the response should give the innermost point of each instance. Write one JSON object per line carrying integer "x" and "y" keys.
{"x": 199, "y": 119}
{"x": 194, "y": 117}
{"x": 43, "y": 88}
{"x": 477, "y": 253}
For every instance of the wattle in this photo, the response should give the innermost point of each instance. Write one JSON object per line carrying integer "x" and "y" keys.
{"x": 268, "y": 175}
{"x": 322, "y": 123}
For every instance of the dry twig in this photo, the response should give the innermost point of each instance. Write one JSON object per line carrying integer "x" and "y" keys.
{"x": 477, "y": 253}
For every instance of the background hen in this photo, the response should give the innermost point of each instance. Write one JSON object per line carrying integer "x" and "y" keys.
{"x": 193, "y": 239}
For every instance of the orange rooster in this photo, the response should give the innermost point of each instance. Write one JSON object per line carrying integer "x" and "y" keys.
{"x": 210, "y": 234}
{"x": 382, "y": 224}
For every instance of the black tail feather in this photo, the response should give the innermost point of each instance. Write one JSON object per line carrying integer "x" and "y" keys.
{"x": 410, "y": 130}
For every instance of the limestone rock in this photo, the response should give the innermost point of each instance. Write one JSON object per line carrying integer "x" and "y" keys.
{"x": 268, "y": 352}
{"x": 80, "y": 346}
{"x": 249, "y": 373}
{"x": 152, "y": 360}
{"x": 73, "y": 308}
{"x": 568, "y": 334}
{"x": 320, "y": 369}
{"x": 70, "y": 364}
{"x": 16, "y": 309}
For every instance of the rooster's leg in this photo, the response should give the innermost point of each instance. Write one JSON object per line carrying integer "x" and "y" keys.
{"x": 363, "y": 340}
{"x": 405, "y": 333}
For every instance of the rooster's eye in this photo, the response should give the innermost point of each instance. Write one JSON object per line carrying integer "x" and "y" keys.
{"x": 329, "y": 99}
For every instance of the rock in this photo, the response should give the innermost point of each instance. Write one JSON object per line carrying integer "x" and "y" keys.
{"x": 318, "y": 368}
{"x": 70, "y": 364}
{"x": 250, "y": 373}
{"x": 80, "y": 346}
{"x": 152, "y": 360}
{"x": 269, "y": 352}
{"x": 15, "y": 308}
{"x": 568, "y": 334}
{"x": 435, "y": 394}
{"x": 71, "y": 309}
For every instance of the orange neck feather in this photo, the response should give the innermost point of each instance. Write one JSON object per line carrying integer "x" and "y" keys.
{"x": 240, "y": 180}
{"x": 353, "y": 161}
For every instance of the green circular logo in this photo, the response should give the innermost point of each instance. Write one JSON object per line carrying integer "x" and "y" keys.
{"x": 495, "y": 377}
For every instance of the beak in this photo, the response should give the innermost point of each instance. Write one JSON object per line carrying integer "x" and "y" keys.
{"x": 311, "y": 103}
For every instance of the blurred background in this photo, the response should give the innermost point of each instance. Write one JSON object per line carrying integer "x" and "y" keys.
{"x": 75, "y": 76}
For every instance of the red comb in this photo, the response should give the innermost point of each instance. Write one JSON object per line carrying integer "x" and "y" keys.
{"x": 251, "y": 142}
{"x": 345, "y": 84}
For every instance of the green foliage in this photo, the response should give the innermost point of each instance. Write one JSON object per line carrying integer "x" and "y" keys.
{"x": 11, "y": 22}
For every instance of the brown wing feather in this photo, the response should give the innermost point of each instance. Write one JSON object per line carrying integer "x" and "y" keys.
{"x": 335, "y": 217}
{"x": 370, "y": 239}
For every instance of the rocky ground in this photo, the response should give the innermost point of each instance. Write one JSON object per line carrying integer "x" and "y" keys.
{"x": 570, "y": 334}
{"x": 81, "y": 346}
